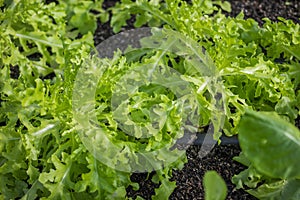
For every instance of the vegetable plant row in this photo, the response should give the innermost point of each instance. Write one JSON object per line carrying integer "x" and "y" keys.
{"x": 76, "y": 125}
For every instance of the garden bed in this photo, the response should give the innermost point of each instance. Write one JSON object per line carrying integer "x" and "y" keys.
{"x": 46, "y": 151}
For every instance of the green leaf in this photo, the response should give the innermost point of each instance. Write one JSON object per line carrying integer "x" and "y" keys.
{"x": 165, "y": 190}
{"x": 286, "y": 106}
{"x": 291, "y": 190}
{"x": 271, "y": 144}
{"x": 214, "y": 186}
{"x": 268, "y": 190}
{"x": 224, "y": 5}
{"x": 83, "y": 22}
{"x": 242, "y": 159}
{"x": 249, "y": 177}
{"x": 278, "y": 189}
{"x": 80, "y": 15}
{"x": 294, "y": 73}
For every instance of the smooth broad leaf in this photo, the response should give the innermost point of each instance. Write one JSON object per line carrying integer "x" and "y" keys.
{"x": 271, "y": 144}
{"x": 291, "y": 190}
{"x": 214, "y": 186}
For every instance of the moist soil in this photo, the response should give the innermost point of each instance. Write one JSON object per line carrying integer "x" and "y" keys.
{"x": 189, "y": 179}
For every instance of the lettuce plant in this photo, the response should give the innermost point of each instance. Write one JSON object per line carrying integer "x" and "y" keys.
{"x": 245, "y": 54}
{"x": 271, "y": 150}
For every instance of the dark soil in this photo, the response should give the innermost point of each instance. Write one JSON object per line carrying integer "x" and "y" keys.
{"x": 259, "y": 9}
{"x": 189, "y": 179}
